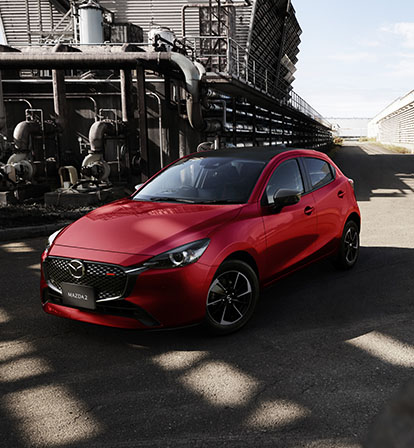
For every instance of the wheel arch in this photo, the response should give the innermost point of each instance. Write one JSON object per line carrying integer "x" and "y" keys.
{"x": 356, "y": 218}
{"x": 247, "y": 258}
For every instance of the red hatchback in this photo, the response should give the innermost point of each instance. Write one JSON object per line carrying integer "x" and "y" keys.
{"x": 197, "y": 241}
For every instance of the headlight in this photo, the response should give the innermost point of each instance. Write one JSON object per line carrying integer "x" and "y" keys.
{"x": 180, "y": 256}
{"x": 52, "y": 238}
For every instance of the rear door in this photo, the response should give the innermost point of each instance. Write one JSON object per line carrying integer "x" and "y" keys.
{"x": 292, "y": 232}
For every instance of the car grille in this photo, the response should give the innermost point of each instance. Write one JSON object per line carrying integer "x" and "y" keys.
{"x": 108, "y": 280}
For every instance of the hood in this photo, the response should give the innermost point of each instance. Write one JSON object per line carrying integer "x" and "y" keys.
{"x": 145, "y": 228}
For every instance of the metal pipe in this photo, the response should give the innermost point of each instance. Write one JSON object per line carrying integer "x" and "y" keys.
{"x": 3, "y": 126}
{"x": 97, "y": 132}
{"x": 22, "y": 133}
{"x": 98, "y": 60}
{"x": 76, "y": 81}
{"x": 19, "y": 100}
{"x": 69, "y": 96}
{"x": 159, "y": 60}
{"x": 158, "y": 98}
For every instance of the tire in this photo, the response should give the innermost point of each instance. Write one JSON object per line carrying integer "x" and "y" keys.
{"x": 349, "y": 246}
{"x": 231, "y": 298}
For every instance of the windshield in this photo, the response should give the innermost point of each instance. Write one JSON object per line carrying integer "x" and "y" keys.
{"x": 204, "y": 180}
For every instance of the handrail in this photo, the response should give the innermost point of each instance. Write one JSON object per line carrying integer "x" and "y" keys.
{"x": 231, "y": 58}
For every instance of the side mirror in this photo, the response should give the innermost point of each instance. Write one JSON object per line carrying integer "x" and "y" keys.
{"x": 138, "y": 186}
{"x": 283, "y": 198}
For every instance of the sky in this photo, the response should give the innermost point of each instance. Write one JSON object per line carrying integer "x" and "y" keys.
{"x": 356, "y": 56}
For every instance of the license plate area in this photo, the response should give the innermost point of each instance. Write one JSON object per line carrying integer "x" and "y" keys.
{"x": 79, "y": 296}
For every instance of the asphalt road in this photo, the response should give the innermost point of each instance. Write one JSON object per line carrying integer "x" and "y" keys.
{"x": 323, "y": 356}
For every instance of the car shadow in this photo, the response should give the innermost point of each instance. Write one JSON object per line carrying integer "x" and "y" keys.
{"x": 312, "y": 367}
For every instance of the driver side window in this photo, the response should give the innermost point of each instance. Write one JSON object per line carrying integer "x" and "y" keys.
{"x": 287, "y": 176}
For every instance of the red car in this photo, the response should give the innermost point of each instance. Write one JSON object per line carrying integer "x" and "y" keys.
{"x": 198, "y": 241}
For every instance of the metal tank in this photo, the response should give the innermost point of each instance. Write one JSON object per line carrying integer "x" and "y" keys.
{"x": 91, "y": 23}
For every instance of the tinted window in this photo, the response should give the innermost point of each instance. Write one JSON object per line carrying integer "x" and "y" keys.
{"x": 286, "y": 177}
{"x": 204, "y": 180}
{"x": 319, "y": 171}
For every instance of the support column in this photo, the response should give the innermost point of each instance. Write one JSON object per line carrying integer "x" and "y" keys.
{"x": 143, "y": 125}
{"x": 60, "y": 103}
{"x": 3, "y": 123}
{"x": 61, "y": 109}
{"x": 234, "y": 105}
{"x": 3, "y": 126}
{"x": 128, "y": 105}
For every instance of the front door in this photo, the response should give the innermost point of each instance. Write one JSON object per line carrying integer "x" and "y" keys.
{"x": 292, "y": 232}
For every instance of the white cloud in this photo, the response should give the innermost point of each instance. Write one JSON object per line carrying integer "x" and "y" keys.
{"x": 403, "y": 69}
{"x": 406, "y": 29}
{"x": 403, "y": 29}
{"x": 370, "y": 43}
{"x": 353, "y": 57}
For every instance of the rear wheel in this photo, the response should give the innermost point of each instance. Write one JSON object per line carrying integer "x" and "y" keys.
{"x": 349, "y": 247}
{"x": 231, "y": 298}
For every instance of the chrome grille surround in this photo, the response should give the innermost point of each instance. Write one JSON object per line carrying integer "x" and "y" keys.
{"x": 106, "y": 286}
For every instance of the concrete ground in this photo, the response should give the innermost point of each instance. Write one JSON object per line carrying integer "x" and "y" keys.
{"x": 323, "y": 355}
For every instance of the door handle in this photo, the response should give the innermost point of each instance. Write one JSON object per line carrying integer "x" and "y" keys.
{"x": 309, "y": 210}
{"x": 341, "y": 194}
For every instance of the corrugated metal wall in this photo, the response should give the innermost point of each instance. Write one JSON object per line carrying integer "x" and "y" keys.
{"x": 28, "y": 21}
{"x": 158, "y": 12}
{"x": 168, "y": 13}
{"x": 398, "y": 128}
{"x": 14, "y": 15}
{"x": 25, "y": 22}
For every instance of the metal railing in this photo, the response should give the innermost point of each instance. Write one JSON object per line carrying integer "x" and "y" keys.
{"x": 224, "y": 55}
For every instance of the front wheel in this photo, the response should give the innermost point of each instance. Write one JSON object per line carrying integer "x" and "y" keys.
{"x": 349, "y": 247}
{"x": 231, "y": 298}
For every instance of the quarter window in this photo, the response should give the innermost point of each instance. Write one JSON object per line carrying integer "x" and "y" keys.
{"x": 286, "y": 177}
{"x": 320, "y": 172}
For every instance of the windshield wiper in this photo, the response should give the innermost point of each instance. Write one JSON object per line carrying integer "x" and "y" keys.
{"x": 167, "y": 199}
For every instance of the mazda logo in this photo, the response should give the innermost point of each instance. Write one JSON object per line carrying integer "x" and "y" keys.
{"x": 76, "y": 269}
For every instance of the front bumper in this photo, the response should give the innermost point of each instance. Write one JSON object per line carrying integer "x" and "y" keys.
{"x": 153, "y": 299}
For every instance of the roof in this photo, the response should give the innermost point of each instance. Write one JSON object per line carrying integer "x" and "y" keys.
{"x": 263, "y": 154}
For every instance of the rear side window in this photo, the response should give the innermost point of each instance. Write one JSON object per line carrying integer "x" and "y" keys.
{"x": 286, "y": 176}
{"x": 320, "y": 172}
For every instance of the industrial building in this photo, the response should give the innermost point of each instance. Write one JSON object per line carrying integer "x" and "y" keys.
{"x": 350, "y": 128}
{"x": 395, "y": 124}
{"x": 99, "y": 94}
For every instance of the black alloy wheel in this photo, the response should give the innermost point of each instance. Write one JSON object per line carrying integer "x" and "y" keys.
{"x": 231, "y": 298}
{"x": 349, "y": 246}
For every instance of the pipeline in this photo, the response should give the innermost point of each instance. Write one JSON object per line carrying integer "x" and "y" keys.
{"x": 97, "y": 132}
{"x": 18, "y": 167}
{"x": 94, "y": 167}
{"x": 160, "y": 61}
{"x": 22, "y": 133}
